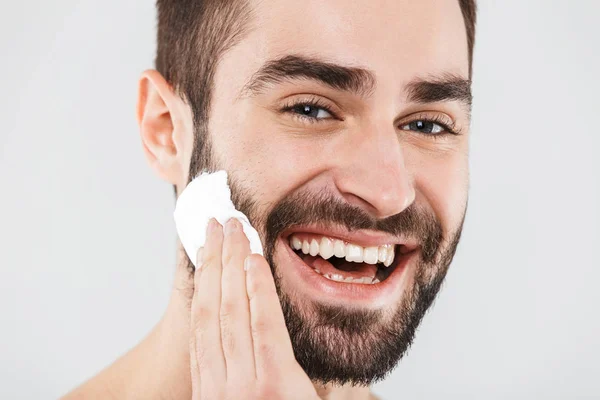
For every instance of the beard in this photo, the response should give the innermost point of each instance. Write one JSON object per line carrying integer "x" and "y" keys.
{"x": 336, "y": 344}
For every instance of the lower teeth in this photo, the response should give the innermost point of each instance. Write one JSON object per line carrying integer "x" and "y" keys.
{"x": 340, "y": 278}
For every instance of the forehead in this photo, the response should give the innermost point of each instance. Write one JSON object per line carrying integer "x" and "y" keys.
{"x": 396, "y": 39}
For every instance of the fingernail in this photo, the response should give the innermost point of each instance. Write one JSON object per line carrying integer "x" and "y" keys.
{"x": 231, "y": 226}
{"x": 212, "y": 224}
{"x": 247, "y": 263}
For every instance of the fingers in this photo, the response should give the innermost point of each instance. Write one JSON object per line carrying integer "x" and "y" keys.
{"x": 235, "y": 313}
{"x": 205, "y": 346}
{"x": 272, "y": 346}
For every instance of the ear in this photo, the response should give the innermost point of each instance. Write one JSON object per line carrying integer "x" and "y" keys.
{"x": 165, "y": 127}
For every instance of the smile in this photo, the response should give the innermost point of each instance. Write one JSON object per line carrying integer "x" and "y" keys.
{"x": 350, "y": 266}
{"x": 342, "y": 261}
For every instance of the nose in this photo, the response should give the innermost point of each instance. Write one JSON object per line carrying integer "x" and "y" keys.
{"x": 373, "y": 174}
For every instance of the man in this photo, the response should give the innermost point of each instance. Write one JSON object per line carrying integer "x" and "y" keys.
{"x": 344, "y": 128}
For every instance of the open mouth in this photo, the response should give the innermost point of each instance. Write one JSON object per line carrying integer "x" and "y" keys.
{"x": 346, "y": 262}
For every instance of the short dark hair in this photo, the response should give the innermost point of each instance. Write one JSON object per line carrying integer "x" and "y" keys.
{"x": 193, "y": 34}
{"x": 469, "y": 12}
{"x": 191, "y": 37}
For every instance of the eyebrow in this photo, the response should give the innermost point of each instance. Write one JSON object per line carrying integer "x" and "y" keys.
{"x": 360, "y": 81}
{"x": 356, "y": 80}
{"x": 445, "y": 88}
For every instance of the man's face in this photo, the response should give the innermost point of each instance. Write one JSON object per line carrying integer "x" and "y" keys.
{"x": 335, "y": 143}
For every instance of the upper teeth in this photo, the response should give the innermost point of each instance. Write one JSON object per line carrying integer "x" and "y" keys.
{"x": 327, "y": 248}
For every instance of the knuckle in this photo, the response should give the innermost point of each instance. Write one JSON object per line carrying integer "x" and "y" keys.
{"x": 209, "y": 260}
{"x": 227, "y": 257}
{"x": 228, "y": 311}
{"x": 265, "y": 288}
{"x": 266, "y": 350}
{"x": 254, "y": 287}
{"x": 202, "y": 314}
{"x": 260, "y": 327}
{"x": 234, "y": 253}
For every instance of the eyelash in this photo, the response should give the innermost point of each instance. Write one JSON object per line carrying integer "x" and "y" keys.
{"x": 448, "y": 127}
{"x": 311, "y": 102}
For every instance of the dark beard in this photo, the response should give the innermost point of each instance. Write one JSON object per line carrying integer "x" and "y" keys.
{"x": 334, "y": 344}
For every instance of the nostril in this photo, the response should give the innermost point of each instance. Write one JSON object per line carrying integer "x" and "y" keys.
{"x": 361, "y": 203}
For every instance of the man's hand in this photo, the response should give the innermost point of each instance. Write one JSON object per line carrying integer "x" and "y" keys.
{"x": 240, "y": 347}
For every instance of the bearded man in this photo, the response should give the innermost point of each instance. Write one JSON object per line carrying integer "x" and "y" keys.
{"x": 344, "y": 130}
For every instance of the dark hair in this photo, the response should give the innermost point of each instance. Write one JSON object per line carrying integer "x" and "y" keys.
{"x": 193, "y": 34}
{"x": 469, "y": 12}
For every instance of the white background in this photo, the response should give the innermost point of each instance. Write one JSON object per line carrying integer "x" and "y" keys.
{"x": 87, "y": 238}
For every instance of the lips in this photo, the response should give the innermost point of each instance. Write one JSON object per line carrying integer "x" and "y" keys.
{"x": 341, "y": 261}
{"x": 349, "y": 274}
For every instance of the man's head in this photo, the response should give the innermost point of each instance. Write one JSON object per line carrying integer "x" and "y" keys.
{"x": 344, "y": 129}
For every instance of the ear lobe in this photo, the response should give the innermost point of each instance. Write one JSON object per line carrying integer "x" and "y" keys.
{"x": 156, "y": 115}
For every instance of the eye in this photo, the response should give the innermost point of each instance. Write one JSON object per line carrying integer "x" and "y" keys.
{"x": 311, "y": 111}
{"x": 425, "y": 126}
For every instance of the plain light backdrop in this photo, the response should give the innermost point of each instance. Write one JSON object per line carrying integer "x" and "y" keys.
{"x": 87, "y": 240}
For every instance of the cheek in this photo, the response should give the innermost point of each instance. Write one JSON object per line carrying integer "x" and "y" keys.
{"x": 442, "y": 182}
{"x": 271, "y": 163}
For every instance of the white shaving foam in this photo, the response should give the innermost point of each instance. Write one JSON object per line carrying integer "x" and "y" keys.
{"x": 208, "y": 196}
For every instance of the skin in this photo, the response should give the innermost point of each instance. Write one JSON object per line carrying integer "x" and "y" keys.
{"x": 245, "y": 348}
{"x": 364, "y": 158}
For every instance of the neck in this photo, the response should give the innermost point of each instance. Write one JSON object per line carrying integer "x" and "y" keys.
{"x": 158, "y": 367}
{"x": 162, "y": 360}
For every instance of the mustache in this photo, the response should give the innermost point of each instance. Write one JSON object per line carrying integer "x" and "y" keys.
{"x": 304, "y": 208}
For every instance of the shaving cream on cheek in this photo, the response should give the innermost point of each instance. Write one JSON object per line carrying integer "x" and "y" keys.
{"x": 208, "y": 196}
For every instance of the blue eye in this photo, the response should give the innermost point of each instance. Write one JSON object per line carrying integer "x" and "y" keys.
{"x": 311, "y": 111}
{"x": 424, "y": 126}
